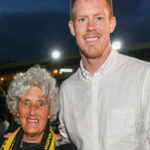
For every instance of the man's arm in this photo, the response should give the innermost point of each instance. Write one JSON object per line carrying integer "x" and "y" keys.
{"x": 146, "y": 108}
{"x": 62, "y": 128}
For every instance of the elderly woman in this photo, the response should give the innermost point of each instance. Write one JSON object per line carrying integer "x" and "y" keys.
{"x": 33, "y": 98}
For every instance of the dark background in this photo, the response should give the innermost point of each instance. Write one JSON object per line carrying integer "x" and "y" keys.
{"x": 31, "y": 29}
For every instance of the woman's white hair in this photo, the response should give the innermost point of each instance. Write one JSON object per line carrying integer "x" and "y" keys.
{"x": 35, "y": 76}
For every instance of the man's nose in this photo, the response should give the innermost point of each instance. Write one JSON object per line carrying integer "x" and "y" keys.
{"x": 90, "y": 25}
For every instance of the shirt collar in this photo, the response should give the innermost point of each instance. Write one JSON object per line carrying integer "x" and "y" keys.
{"x": 104, "y": 68}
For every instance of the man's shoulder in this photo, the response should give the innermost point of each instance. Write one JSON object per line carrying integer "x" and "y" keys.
{"x": 73, "y": 78}
{"x": 133, "y": 62}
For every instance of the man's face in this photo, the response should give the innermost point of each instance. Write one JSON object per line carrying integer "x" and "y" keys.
{"x": 92, "y": 26}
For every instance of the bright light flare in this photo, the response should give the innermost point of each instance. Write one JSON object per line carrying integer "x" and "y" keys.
{"x": 116, "y": 45}
{"x": 56, "y": 54}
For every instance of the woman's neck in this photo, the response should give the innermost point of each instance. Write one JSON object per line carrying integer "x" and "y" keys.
{"x": 32, "y": 138}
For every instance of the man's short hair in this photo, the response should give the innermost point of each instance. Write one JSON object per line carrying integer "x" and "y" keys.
{"x": 72, "y": 3}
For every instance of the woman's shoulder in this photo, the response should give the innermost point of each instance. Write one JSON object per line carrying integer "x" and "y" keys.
{"x": 2, "y": 140}
{"x": 66, "y": 147}
{"x": 64, "y": 144}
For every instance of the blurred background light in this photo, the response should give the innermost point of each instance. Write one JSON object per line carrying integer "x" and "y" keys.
{"x": 56, "y": 54}
{"x": 66, "y": 70}
{"x": 116, "y": 45}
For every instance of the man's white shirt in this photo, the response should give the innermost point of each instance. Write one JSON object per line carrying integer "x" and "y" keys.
{"x": 109, "y": 110}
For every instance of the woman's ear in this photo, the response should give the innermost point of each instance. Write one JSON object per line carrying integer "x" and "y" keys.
{"x": 49, "y": 116}
{"x": 17, "y": 115}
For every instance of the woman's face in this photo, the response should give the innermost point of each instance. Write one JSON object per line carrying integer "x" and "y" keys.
{"x": 33, "y": 111}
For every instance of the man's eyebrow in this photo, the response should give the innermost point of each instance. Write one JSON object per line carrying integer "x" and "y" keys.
{"x": 79, "y": 16}
{"x": 101, "y": 14}
{"x": 86, "y": 16}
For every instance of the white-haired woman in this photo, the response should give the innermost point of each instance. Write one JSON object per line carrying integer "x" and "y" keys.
{"x": 33, "y": 97}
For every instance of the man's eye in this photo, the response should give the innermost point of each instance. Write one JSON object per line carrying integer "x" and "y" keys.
{"x": 99, "y": 18}
{"x": 82, "y": 19}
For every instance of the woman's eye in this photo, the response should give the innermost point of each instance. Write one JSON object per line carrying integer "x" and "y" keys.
{"x": 41, "y": 104}
{"x": 25, "y": 102}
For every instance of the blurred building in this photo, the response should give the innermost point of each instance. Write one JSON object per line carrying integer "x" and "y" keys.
{"x": 64, "y": 66}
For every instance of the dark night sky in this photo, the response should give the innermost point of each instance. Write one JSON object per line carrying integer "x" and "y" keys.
{"x": 31, "y": 29}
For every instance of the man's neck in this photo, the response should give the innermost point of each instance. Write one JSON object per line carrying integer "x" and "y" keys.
{"x": 92, "y": 65}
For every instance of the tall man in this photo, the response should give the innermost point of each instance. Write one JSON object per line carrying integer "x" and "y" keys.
{"x": 105, "y": 105}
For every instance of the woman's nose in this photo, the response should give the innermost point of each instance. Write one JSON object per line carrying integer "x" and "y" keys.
{"x": 32, "y": 110}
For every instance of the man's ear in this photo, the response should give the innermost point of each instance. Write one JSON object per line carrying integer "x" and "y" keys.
{"x": 112, "y": 24}
{"x": 71, "y": 27}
